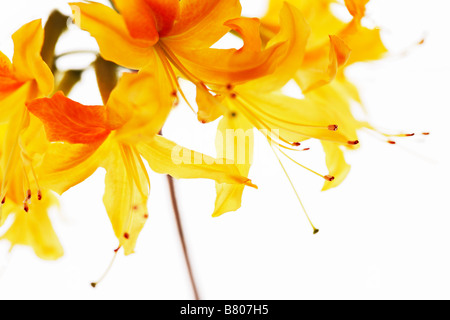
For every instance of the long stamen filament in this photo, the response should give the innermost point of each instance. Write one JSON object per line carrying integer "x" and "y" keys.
{"x": 103, "y": 277}
{"x": 326, "y": 177}
{"x": 315, "y": 230}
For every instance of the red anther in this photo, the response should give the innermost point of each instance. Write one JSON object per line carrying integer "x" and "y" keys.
{"x": 410, "y": 135}
{"x": 203, "y": 121}
{"x": 126, "y": 235}
{"x": 306, "y": 149}
{"x": 146, "y": 216}
{"x": 39, "y": 195}
{"x": 135, "y": 207}
{"x": 233, "y": 96}
{"x": 117, "y": 250}
{"x": 174, "y": 94}
{"x": 426, "y": 133}
{"x": 392, "y": 142}
{"x": 229, "y": 86}
{"x": 25, "y": 207}
{"x": 29, "y": 194}
{"x": 333, "y": 127}
{"x": 353, "y": 143}
{"x": 4, "y": 200}
{"x": 296, "y": 144}
{"x": 329, "y": 178}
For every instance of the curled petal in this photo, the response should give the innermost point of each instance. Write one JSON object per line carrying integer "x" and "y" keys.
{"x": 320, "y": 67}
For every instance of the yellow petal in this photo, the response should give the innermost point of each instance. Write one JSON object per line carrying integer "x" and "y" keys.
{"x": 317, "y": 13}
{"x": 337, "y": 166}
{"x": 66, "y": 165}
{"x": 27, "y": 61}
{"x": 34, "y": 229}
{"x": 140, "y": 104}
{"x": 234, "y": 142}
{"x": 366, "y": 44}
{"x": 210, "y": 107}
{"x": 295, "y": 119}
{"x": 109, "y": 29}
{"x": 15, "y": 100}
{"x": 166, "y": 157}
{"x": 126, "y": 196}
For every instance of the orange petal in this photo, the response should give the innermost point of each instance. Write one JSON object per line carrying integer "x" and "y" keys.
{"x": 8, "y": 83}
{"x": 291, "y": 41}
{"x": 320, "y": 66}
{"x": 165, "y": 13}
{"x": 201, "y": 23}
{"x": 357, "y": 8}
{"x": 232, "y": 65}
{"x": 139, "y": 19}
{"x": 27, "y": 60}
{"x": 68, "y": 121}
{"x": 109, "y": 29}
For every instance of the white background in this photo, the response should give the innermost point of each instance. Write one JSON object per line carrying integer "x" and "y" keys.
{"x": 384, "y": 232}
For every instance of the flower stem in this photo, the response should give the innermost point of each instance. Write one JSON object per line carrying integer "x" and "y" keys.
{"x": 181, "y": 234}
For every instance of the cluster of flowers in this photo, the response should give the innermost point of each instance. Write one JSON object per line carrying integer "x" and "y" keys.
{"x": 51, "y": 143}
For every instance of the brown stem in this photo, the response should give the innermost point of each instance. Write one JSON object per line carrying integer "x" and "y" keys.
{"x": 181, "y": 233}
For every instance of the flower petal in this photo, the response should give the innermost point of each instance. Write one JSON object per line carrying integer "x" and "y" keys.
{"x": 33, "y": 229}
{"x": 66, "y": 165}
{"x": 139, "y": 19}
{"x": 321, "y": 66}
{"x": 291, "y": 40}
{"x": 109, "y": 29}
{"x": 140, "y": 104}
{"x": 68, "y": 121}
{"x": 201, "y": 23}
{"x": 337, "y": 166}
{"x": 27, "y": 60}
{"x": 166, "y": 157}
{"x": 296, "y": 119}
{"x": 125, "y": 201}
{"x": 357, "y": 8}
{"x": 224, "y": 66}
{"x": 234, "y": 142}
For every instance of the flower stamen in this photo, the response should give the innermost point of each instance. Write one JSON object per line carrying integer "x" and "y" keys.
{"x": 315, "y": 230}
{"x": 105, "y": 274}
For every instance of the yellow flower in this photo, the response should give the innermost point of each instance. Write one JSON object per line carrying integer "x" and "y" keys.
{"x": 115, "y": 137}
{"x": 27, "y": 78}
{"x": 259, "y": 104}
{"x": 333, "y": 46}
